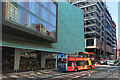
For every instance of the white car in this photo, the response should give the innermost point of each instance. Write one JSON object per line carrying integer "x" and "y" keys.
{"x": 111, "y": 62}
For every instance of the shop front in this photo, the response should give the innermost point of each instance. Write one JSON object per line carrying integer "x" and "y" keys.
{"x": 7, "y": 59}
{"x": 28, "y": 60}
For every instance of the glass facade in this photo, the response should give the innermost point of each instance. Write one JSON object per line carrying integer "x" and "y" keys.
{"x": 40, "y": 16}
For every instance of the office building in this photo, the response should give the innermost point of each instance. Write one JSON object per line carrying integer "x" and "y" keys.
{"x": 99, "y": 28}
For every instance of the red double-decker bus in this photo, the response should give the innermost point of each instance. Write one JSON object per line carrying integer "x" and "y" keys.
{"x": 78, "y": 61}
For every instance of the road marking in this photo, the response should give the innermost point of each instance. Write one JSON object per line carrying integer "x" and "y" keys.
{"x": 76, "y": 76}
{"x": 14, "y": 76}
{"x": 38, "y": 73}
{"x": 31, "y": 77}
{"x": 46, "y": 72}
{"x": 83, "y": 74}
{"x": 89, "y": 75}
{"x": 25, "y": 75}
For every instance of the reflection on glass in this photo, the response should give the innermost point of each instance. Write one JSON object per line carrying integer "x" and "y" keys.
{"x": 30, "y": 61}
{"x": 39, "y": 16}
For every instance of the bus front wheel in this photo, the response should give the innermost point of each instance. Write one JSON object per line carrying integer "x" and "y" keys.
{"x": 76, "y": 69}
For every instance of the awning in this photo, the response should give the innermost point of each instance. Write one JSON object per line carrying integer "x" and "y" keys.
{"x": 31, "y": 47}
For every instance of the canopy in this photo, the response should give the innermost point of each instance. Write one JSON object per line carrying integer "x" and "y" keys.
{"x": 31, "y": 47}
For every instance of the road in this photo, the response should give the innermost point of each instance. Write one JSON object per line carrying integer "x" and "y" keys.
{"x": 105, "y": 72}
{"x": 100, "y": 72}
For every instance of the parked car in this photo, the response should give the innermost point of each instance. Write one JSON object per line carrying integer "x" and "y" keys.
{"x": 104, "y": 62}
{"x": 111, "y": 62}
{"x": 117, "y": 63}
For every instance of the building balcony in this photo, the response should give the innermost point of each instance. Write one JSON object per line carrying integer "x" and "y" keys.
{"x": 108, "y": 22}
{"x": 92, "y": 18}
{"x": 75, "y": 1}
{"x": 109, "y": 37}
{"x": 87, "y": 5}
{"x": 109, "y": 18}
{"x": 102, "y": 6}
{"x": 109, "y": 42}
{"x": 92, "y": 32}
{"x": 109, "y": 32}
{"x": 82, "y": 3}
{"x": 91, "y": 12}
{"x": 99, "y": 9}
{"x": 92, "y": 25}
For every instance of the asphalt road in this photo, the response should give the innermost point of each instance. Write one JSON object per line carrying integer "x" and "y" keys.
{"x": 101, "y": 72}
{"x": 109, "y": 72}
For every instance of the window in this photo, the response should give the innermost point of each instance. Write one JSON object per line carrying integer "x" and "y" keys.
{"x": 90, "y": 42}
{"x": 93, "y": 62}
{"x": 10, "y": 8}
{"x": 85, "y": 55}
{"x": 15, "y": 12}
{"x": 12, "y": 12}
{"x": 82, "y": 63}
{"x": 70, "y": 63}
{"x": 79, "y": 55}
{"x": 86, "y": 63}
{"x": 91, "y": 55}
{"x": 77, "y": 63}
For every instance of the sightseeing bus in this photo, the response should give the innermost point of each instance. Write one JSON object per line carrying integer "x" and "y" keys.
{"x": 75, "y": 62}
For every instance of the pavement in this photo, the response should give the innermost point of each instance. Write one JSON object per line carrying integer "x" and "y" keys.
{"x": 101, "y": 71}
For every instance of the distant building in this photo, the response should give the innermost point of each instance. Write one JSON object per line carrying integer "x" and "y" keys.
{"x": 99, "y": 28}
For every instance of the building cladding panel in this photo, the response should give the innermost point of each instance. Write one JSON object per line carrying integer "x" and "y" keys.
{"x": 70, "y": 28}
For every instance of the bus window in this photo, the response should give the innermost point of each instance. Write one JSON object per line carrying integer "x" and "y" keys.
{"x": 93, "y": 62}
{"x": 91, "y": 55}
{"x": 85, "y": 55}
{"x": 77, "y": 63}
{"x": 82, "y": 63}
{"x": 70, "y": 55}
{"x": 86, "y": 63}
{"x": 80, "y": 54}
{"x": 70, "y": 63}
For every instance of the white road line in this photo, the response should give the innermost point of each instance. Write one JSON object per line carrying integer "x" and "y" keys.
{"x": 83, "y": 74}
{"x": 76, "y": 76}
